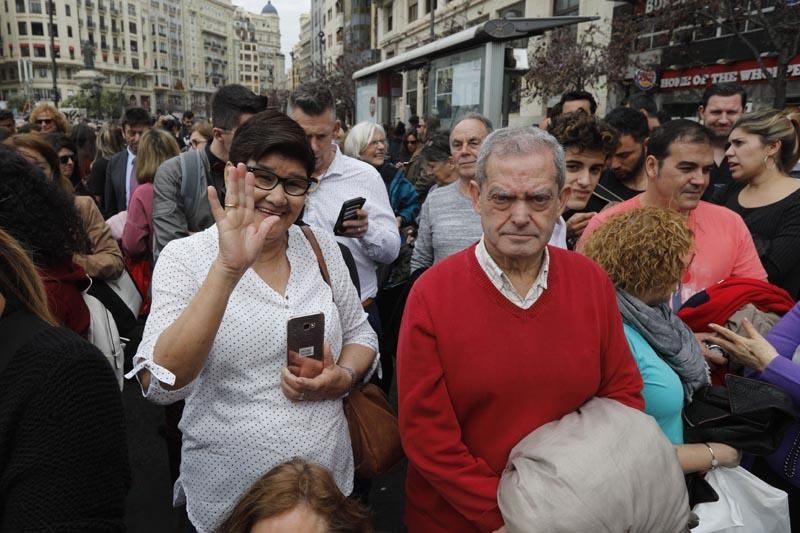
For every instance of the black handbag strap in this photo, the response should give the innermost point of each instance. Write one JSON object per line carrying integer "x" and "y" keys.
{"x": 323, "y": 266}
{"x": 17, "y": 328}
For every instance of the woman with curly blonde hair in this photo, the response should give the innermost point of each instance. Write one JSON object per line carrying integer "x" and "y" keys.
{"x": 645, "y": 252}
{"x": 49, "y": 119}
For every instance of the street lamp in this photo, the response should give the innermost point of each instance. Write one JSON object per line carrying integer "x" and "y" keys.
{"x": 121, "y": 95}
{"x": 321, "y": 36}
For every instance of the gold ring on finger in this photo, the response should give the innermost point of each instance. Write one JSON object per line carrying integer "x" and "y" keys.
{"x": 231, "y": 205}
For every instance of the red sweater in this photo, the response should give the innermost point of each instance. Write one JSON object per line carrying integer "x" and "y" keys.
{"x": 476, "y": 374}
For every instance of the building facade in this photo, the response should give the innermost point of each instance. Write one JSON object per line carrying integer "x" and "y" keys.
{"x": 210, "y": 50}
{"x": 165, "y": 55}
{"x": 301, "y": 54}
{"x": 260, "y": 65}
{"x": 118, "y": 31}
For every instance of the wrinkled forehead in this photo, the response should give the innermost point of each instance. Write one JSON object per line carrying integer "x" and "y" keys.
{"x": 469, "y": 130}
{"x": 530, "y": 171}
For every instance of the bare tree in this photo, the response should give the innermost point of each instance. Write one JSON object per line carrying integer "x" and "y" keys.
{"x": 339, "y": 79}
{"x": 766, "y": 28}
{"x": 561, "y": 61}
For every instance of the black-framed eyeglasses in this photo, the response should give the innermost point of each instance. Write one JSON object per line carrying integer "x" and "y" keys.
{"x": 64, "y": 159}
{"x": 266, "y": 180}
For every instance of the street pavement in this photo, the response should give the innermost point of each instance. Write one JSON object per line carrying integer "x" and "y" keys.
{"x": 149, "y": 505}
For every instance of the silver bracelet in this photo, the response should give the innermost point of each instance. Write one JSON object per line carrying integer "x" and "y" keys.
{"x": 352, "y": 375}
{"x": 714, "y": 462}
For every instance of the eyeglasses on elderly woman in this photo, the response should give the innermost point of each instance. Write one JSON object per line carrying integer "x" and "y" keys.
{"x": 266, "y": 180}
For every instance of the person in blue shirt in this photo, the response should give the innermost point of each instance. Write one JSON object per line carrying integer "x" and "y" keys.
{"x": 645, "y": 252}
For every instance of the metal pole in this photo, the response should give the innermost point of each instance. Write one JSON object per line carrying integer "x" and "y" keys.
{"x": 52, "y": 8}
{"x": 433, "y": 19}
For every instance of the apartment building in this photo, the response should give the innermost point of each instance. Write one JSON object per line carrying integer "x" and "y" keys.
{"x": 260, "y": 65}
{"x": 301, "y": 54}
{"x": 164, "y": 55}
{"x": 117, "y": 29}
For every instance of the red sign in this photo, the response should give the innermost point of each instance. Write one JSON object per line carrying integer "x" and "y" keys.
{"x": 740, "y": 72}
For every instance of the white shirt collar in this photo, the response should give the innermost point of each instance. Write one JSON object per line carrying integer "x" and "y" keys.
{"x": 500, "y": 280}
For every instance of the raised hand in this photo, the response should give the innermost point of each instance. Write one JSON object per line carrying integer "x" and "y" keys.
{"x": 241, "y": 235}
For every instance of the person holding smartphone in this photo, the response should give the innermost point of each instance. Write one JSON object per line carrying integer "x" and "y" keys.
{"x": 372, "y": 235}
{"x": 217, "y": 335}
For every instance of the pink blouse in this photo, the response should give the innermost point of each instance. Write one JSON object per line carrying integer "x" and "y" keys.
{"x": 137, "y": 237}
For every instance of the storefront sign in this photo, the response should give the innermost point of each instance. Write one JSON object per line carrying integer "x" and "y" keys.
{"x": 645, "y": 79}
{"x": 641, "y": 7}
{"x": 740, "y": 72}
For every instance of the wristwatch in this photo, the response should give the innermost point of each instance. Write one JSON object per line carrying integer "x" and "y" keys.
{"x": 714, "y": 462}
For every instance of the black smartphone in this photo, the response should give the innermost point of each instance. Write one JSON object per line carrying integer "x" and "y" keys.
{"x": 348, "y": 212}
{"x": 305, "y": 338}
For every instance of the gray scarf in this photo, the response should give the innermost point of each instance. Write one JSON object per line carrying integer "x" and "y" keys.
{"x": 672, "y": 340}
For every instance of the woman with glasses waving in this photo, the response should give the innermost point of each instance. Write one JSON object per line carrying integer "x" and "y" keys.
{"x": 217, "y": 334}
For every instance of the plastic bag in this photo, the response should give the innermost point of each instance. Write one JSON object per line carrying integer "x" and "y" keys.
{"x": 746, "y": 504}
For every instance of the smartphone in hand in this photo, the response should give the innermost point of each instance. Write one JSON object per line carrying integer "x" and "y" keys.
{"x": 305, "y": 342}
{"x": 348, "y": 212}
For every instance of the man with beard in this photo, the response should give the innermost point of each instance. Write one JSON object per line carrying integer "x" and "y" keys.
{"x": 722, "y": 106}
{"x": 447, "y": 222}
{"x": 626, "y": 176}
{"x": 677, "y": 167}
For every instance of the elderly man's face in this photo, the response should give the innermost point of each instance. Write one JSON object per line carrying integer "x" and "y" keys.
{"x": 465, "y": 144}
{"x": 519, "y": 204}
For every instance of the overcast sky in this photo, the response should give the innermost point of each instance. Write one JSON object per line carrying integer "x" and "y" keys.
{"x": 289, "y": 12}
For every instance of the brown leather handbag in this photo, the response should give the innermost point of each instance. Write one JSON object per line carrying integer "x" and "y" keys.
{"x": 374, "y": 430}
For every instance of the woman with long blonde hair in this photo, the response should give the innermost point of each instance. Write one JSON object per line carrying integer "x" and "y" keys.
{"x": 155, "y": 147}
{"x": 762, "y": 149}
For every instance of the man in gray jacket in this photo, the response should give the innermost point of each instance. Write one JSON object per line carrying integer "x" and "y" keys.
{"x": 180, "y": 196}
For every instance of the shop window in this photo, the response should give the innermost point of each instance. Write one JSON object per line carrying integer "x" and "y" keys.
{"x": 563, "y": 8}
{"x": 39, "y": 51}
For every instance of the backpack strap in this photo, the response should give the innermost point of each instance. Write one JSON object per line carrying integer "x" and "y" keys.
{"x": 190, "y": 165}
{"x": 17, "y": 328}
{"x": 323, "y": 267}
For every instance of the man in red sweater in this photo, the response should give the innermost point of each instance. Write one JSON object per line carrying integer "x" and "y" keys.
{"x": 502, "y": 338}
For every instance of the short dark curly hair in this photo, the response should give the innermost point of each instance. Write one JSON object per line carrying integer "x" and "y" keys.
{"x": 585, "y": 132}
{"x": 38, "y": 213}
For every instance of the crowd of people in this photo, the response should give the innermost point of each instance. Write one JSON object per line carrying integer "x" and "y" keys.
{"x": 495, "y": 282}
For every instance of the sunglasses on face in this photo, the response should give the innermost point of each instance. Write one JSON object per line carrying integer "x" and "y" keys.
{"x": 266, "y": 180}
{"x": 64, "y": 159}
{"x": 44, "y": 121}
